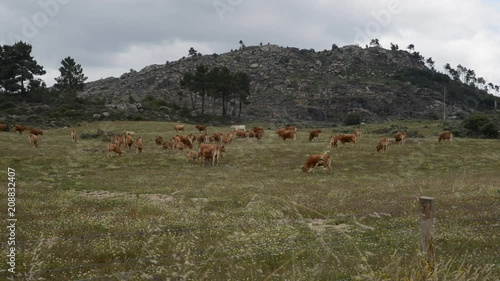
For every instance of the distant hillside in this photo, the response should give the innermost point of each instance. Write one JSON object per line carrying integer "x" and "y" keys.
{"x": 290, "y": 84}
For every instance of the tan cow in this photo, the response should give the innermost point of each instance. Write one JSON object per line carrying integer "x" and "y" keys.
{"x": 179, "y": 127}
{"x": 192, "y": 155}
{"x": 114, "y": 148}
{"x": 312, "y": 161}
{"x": 383, "y": 144}
{"x": 213, "y": 153}
{"x": 117, "y": 140}
{"x": 343, "y": 139}
{"x": 3, "y": 127}
{"x": 241, "y": 134}
{"x": 167, "y": 145}
{"x": 73, "y": 136}
{"x": 446, "y": 135}
{"x": 400, "y": 137}
{"x": 358, "y": 133}
{"x": 228, "y": 138}
{"x": 314, "y": 134}
{"x": 139, "y": 145}
{"x": 33, "y": 139}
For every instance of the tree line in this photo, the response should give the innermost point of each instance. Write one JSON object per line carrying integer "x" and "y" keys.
{"x": 19, "y": 71}
{"x": 460, "y": 74}
{"x": 217, "y": 83}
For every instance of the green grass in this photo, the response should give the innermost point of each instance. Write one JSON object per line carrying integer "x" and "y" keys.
{"x": 256, "y": 216}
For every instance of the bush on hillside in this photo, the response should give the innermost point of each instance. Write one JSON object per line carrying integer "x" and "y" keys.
{"x": 480, "y": 126}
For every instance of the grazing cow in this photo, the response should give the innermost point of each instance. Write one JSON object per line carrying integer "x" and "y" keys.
{"x": 139, "y": 145}
{"x": 259, "y": 134}
{"x": 167, "y": 145}
{"x": 314, "y": 134}
{"x": 33, "y": 139}
{"x": 218, "y": 136}
{"x": 238, "y": 127}
{"x": 36, "y": 131}
{"x": 289, "y": 135}
{"x": 179, "y": 146}
{"x": 212, "y": 152}
{"x": 201, "y": 128}
{"x": 179, "y": 127}
{"x": 117, "y": 140}
{"x": 191, "y": 154}
{"x": 400, "y": 137}
{"x": 128, "y": 141}
{"x": 257, "y": 129}
{"x": 241, "y": 134}
{"x": 114, "y": 148}
{"x": 73, "y": 136}
{"x": 20, "y": 128}
{"x": 383, "y": 144}
{"x": 203, "y": 138}
{"x": 159, "y": 140}
{"x": 4, "y": 127}
{"x": 250, "y": 134}
{"x": 343, "y": 139}
{"x": 312, "y": 161}
{"x": 446, "y": 135}
{"x": 228, "y": 138}
{"x": 358, "y": 132}
{"x": 186, "y": 140}
{"x": 291, "y": 128}
{"x": 203, "y": 147}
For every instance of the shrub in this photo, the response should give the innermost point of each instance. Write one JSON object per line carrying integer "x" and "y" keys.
{"x": 353, "y": 119}
{"x": 480, "y": 125}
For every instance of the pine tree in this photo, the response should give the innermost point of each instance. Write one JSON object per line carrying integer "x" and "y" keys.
{"x": 72, "y": 77}
{"x": 18, "y": 69}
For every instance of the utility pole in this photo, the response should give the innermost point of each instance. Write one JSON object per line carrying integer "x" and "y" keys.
{"x": 444, "y": 104}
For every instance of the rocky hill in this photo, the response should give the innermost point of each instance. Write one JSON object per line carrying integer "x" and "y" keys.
{"x": 291, "y": 84}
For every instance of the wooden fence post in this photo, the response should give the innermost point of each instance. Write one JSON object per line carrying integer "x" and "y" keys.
{"x": 427, "y": 246}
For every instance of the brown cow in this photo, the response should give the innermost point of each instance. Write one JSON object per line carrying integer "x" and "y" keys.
{"x": 241, "y": 134}
{"x": 139, "y": 145}
{"x": 446, "y": 135}
{"x": 179, "y": 127}
{"x": 383, "y": 144}
{"x": 186, "y": 140}
{"x": 400, "y": 137}
{"x": 36, "y": 131}
{"x": 114, "y": 148}
{"x": 314, "y": 134}
{"x": 128, "y": 141}
{"x": 201, "y": 128}
{"x": 312, "y": 161}
{"x": 33, "y": 139}
{"x": 159, "y": 140}
{"x": 4, "y": 127}
{"x": 289, "y": 135}
{"x": 203, "y": 138}
{"x": 257, "y": 129}
{"x": 343, "y": 139}
{"x": 250, "y": 134}
{"x": 259, "y": 134}
{"x": 203, "y": 147}
{"x": 73, "y": 136}
{"x": 20, "y": 128}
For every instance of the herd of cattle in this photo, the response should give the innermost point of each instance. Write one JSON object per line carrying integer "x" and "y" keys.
{"x": 211, "y": 147}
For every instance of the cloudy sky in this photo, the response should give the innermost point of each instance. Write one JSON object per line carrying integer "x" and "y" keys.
{"x": 110, "y": 37}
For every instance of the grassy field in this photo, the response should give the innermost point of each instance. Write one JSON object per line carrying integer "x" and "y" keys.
{"x": 256, "y": 216}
